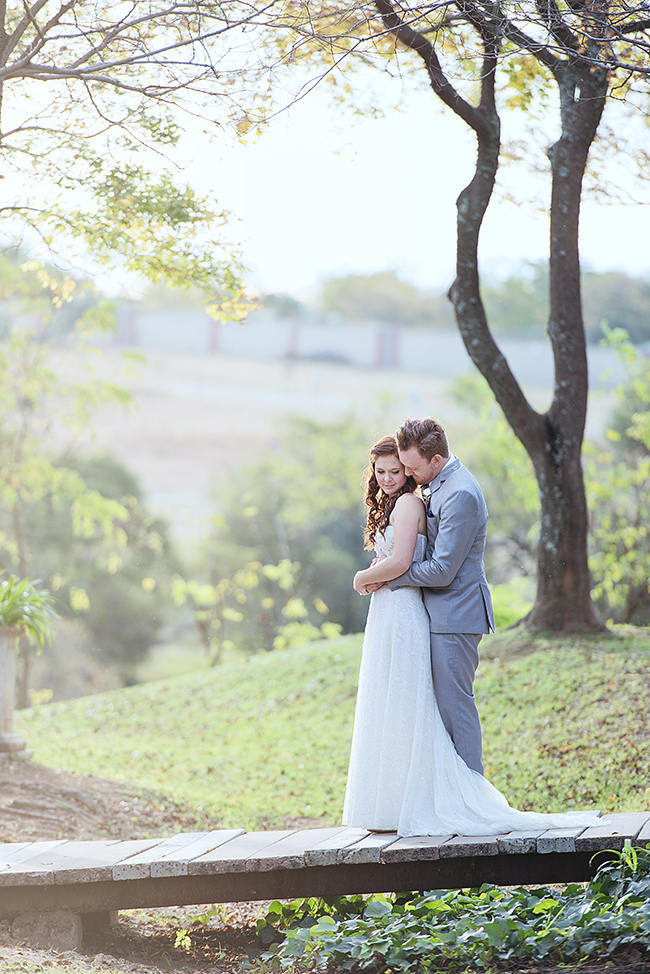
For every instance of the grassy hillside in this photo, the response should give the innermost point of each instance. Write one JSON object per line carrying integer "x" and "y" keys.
{"x": 265, "y": 742}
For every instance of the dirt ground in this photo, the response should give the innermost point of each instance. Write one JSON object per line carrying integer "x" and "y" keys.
{"x": 143, "y": 942}
{"x": 40, "y": 803}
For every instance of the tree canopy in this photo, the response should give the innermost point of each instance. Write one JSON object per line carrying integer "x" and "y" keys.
{"x": 89, "y": 101}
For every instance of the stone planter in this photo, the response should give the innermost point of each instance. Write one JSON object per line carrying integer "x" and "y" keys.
{"x": 9, "y": 742}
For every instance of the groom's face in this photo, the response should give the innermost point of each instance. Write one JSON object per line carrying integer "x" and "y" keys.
{"x": 415, "y": 465}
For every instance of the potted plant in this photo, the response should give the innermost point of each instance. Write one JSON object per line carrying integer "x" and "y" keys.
{"x": 25, "y": 610}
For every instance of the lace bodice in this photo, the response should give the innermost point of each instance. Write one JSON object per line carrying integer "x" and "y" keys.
{"x": 384, "y": 544}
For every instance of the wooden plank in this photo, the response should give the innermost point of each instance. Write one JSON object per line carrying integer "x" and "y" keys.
{"x": 517, "y": 843}
{"x": 177, "y": 865}
{"x": 170, "y": 856}
{"x": 138, "y": 865}
{"x": 24, "y": 867}
{"x": 612, "y": 832}
{"x": 75, "y": 861}
{"x": 329, "y": 852}
{"x": 25, "y": 851}
{"x": 10, "y": 849}
{"x": 558, "y": 840}
{"x": 469, "y": 845}
{"x": 90, "y": 862}
{"x": 231, "y": 856}
{"x": 643, "y": 838}
{"x": 289, "y": 852}
{"x": 369, "y": 848}
{"x": 414, "y": 848}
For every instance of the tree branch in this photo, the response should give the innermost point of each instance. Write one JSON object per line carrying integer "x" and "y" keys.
{"x": 42, "y": 32}
{"x": 46, "y": 73}
{"x": 419, "y": 44}
{"x": 121, "y": 30}
{"x": 540, "y": 51}
{"x": 632, "y": 26}
{"x": 550, "y": 12}
{"x": 113, "y": 34}
{"x": 26, "y": 21}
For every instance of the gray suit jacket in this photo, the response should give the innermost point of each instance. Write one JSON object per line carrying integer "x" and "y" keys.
{"x": 452, "y": 576}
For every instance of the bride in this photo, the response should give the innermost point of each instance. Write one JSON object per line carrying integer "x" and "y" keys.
{"x": 405, "y": 775}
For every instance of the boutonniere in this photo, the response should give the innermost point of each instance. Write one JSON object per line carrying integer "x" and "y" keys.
{"x": 426, "y": 494}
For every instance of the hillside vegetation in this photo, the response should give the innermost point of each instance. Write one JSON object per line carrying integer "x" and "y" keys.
{"x": 264, "y": 743}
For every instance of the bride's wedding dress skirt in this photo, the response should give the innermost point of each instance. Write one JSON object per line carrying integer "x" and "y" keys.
{"x": 405, "y": 774}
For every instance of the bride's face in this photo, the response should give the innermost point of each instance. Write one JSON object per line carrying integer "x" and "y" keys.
{"x": 389, "y": 473}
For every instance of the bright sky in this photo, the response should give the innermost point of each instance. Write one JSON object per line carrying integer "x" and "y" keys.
{"x": 322, "y": 194}
{"x": 326, "y": 192}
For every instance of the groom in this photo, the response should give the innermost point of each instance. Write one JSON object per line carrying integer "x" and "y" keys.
{"x": 452, "y": 577}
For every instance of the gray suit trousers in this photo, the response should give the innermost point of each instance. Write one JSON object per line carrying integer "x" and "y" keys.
{"x": 454, "y": 658}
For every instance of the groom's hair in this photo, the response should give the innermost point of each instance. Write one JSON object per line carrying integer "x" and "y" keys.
{"x": 426, "y": 435}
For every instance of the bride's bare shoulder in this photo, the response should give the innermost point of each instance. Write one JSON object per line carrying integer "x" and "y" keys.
{"x": 409, "y": 502}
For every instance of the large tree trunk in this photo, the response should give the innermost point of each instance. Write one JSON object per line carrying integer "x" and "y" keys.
{"x": 553, "y": 440}
{"x": 563, "y": 599}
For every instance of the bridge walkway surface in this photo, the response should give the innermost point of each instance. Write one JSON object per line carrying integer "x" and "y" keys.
{"x": 55, "y": 892}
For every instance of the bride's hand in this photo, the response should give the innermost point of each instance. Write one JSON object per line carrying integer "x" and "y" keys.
{"x": 358, "y": 584}
{"x": 363, "y": 587}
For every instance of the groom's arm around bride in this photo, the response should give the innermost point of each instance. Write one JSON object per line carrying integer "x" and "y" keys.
{"x": 452, "y": 577}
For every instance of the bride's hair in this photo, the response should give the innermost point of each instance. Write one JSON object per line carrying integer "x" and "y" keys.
{"x": 379, "y": 504}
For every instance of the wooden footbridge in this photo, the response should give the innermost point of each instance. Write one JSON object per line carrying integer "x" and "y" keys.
{"x": 83, "y": 883}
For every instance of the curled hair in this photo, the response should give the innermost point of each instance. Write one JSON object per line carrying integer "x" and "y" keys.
{"x": 380, "y": 505}
{"x": 426, "y": 435}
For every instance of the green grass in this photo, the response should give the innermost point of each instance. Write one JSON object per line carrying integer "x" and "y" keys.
{"x": 265, "y": 742}
{"x": 171, "y": 660}
{"x": 565, "y": 723}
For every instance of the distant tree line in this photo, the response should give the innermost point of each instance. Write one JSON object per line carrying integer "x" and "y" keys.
{"x": 518, "y": 305}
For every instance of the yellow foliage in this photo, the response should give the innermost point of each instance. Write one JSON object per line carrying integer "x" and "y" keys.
{"x": 79, "y": 601}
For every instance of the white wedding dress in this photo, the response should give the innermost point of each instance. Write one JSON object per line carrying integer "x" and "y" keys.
{"x": 405, "y": 774}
